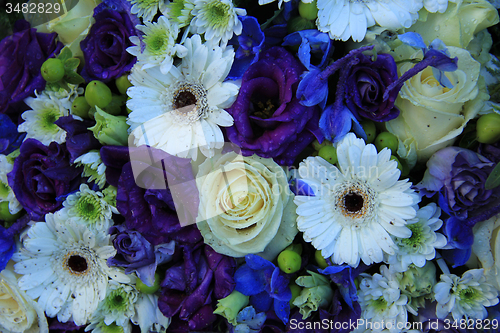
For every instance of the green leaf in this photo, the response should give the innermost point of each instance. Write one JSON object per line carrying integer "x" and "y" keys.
{"x": 65, "y": 54}
{"x": 493, "y": 179}
{"x": 73, "y": 78}
{"x": 71, "y": 64}
{"x": 269, "y": 21}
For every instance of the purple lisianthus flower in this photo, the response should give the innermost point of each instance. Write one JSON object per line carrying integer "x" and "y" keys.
{"x": 266, "y": 285}
{"x": 268, "y": 119}
{"x": 104, "y": 48}
{"x": 136, "y": 254}
{"x": 21, "y": 56}
{"x": 192, "y": 286}
{"x": 79, "y": 140}
{"x": 365, "y": 87}
{"x": 40, "y": 175}
{"x": 151, "y": 209}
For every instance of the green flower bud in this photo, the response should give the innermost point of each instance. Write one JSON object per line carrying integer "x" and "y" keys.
{"x": 122, "y": 84}
{"x": 308, "y": 10}
{"x": 296, "y": 290}
{"x": 116, "y": 104}
{"x": 110, "y": 130}
{"x": 230, "y": 306}
{"x": 400, "y": 166}
{"x": 144, "y": 288}
{"x": 316, "y": 294}
{"x": 52, "y": 70}
{"x": 320, "y": 260}
{"x": 5, "y": 213}
{"x": 317, "y": 146}
{"x": 370, "y": 130}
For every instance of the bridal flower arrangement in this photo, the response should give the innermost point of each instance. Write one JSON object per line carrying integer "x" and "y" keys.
{"x": 250, "y": 166}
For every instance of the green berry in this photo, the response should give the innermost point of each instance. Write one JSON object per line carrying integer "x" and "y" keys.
{"x": 98, "y": 94}
{"x": 145, "y": 289}
{"x": 309, "y": 11}
{"x": 52, "y": 70}
{"x": 5, "y": 213}
{"x": 122, "y": 83}
{"x": 488, "y": 128}
{"x": 400, "y": 166}
{"x": 320, "y": 260}
{"x": 296, "y": 290}
{"x": 289, "y": 261}
{"x": 80, "y": 107}
{"x": 115, "y": 107}
{"x": 329, "y": 153}
{"x": 370, "y": 130}
{"x": 386, "y": 140}
{"x": 317, "y": 146}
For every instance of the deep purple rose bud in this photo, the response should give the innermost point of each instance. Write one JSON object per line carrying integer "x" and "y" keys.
{"x": 40, "y": 175}
{"x": 365, "y": 87}
{"x": 268, "y": 119}
{"x": 104, "y": 48}
{"x": 137, "y": 254}
{"x": 21, "y": 56}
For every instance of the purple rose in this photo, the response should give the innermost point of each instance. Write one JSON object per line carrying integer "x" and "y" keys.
{"x": 365, "y": 86}
{"x": 40, "y": 175}
{"x": 104, "y": 48}
{"x": 268, "y": 119}
{"x": 21, "y": 57}
{"x": 192, "y": 286}
{"x": 138, "y": 255}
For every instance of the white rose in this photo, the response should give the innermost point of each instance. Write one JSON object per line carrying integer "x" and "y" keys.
{"x": 432, "y": 116}
{"x": 18, "y": 312}
{"x": 486, "y": 248}
{"x": 72, "y": 27}
{"x": 245, "y": 206}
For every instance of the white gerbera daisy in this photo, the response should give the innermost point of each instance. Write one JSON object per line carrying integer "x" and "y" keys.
{"x": 382, "y": 302}
{"x": 147, "y": 9}
{"x": 93, "y": 167}
{"x": 179, "y": 12}
{"x": 343, "y": 19}
{"x": 356, "y": 209}
{"x": 39, "y": 121}
{"x": 159, "y": 41}
{"x": 88, "y": 207}
{"x": 64, "y": 265}
{"x": 6, "y": 193}
{"x": 466, "y": 296}
{"x": 424, "y": 239}
{"x": 217, "y": 19}
{"x": 182, "y": 110}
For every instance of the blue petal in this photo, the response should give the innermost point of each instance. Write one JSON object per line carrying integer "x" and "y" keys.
{"x": 312, "y": 90}
{"x": 413, "y": 39}
{"x": 441, "y": 61}
{"x": 459, "y": 234}
{"x": 258, "y": 263}
{"x": 457, "y": 257}
{"x": 301, "y": 187}
{"x": 336, "y": 122}
{"x": 442, "y": 78}
{"x": 282, "y": 310}
{"x": 439, "y": 45}
{"x": 279, "y": 288}
{"x": 248, "y": 281}
{"x": 261, "y": 301}
{"x": 304, "y": 53}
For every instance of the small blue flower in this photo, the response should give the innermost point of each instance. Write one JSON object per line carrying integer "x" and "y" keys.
{"x": 249, "y": 45}
{"x": 436, "y": 49}
{"x": 266, "y": 285}
{"x": 249, "y": 321}
{"x": 312, "y": 42}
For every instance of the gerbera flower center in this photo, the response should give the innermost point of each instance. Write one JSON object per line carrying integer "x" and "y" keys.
{"x": 353, "y": 202}
{"x": 77, "y": 264}
{"x": 117, "y": 301}
{"x": 217, "y": 13}
{"x": 189, "y": 102}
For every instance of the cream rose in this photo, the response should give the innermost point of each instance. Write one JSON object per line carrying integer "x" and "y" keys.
{"x": 18, "y": 312}
{"x": 458, "y": 24}
{"x": 73, "y": 26}
{"x": 432, "y": 116}
{"x": 245, "y": 206}
{"x": 486, "y": 248}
